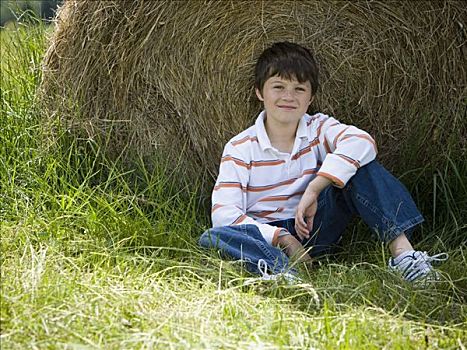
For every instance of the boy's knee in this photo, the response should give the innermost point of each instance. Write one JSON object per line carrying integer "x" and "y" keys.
{"x": 371, "y": 167}
{"x": 208, "y": 239}
{"x": 371, "y": 170}
{"x": 205, "y": 239}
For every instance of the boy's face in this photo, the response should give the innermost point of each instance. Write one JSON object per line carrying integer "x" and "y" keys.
{"x": 285, "y": 101}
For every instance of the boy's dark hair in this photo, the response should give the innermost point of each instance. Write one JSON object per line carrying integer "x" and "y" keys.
{"x": 289, "y": 61}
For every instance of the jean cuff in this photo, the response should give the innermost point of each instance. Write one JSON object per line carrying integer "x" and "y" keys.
{"x": 407, "y": 228}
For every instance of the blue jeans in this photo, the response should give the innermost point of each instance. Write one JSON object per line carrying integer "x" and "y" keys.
{"x": 372, "y": 193}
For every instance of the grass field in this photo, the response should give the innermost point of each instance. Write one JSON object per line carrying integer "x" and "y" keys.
{"x": 96, "y": 256}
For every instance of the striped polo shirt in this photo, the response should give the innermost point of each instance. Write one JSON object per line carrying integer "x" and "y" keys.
{"x": 257, "y": 184}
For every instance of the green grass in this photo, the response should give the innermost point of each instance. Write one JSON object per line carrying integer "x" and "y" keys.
{"x": 94, "y": 255}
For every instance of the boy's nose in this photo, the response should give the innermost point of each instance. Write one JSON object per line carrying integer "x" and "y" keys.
{"x": 288, "y": 95}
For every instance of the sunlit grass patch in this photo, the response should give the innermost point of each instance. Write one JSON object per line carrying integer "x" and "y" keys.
{"x": 137, "y": 301}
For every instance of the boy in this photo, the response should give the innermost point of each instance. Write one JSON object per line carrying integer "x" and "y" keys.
{"x": 292, "y": 182}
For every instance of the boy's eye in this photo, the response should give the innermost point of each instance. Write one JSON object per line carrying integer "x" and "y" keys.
{"x": 277, "y": 87}
{"x": 300, "y": 89}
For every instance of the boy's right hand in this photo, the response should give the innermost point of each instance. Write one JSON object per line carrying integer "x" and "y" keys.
{"x": 293, "y": 248}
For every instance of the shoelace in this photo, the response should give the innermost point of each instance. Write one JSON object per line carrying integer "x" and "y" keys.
{"x": 288, "y": 277}
{"x": 263, "y": 268}
{"x": 427, "y": 258}
{"x": 435, "y": 258}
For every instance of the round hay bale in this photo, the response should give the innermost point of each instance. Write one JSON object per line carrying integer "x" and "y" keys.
{"x": 175, "y": 77}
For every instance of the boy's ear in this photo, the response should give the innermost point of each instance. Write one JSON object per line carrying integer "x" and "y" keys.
{"x": 311, "y": 100}
{"x": 258, "y": 94}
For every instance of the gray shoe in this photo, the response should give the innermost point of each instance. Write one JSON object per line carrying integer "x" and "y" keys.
{"x": 415, "y": 266}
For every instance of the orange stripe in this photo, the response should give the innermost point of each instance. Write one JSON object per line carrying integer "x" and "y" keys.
{"x": 326, "y": 146}
{"x": 239, "y": 219}
{"x": 280, "y": 198}
{"x": 321, "y": 126}
{"x": 243, "y": 140}
{"x": 301, "y": 153}
{"x": 365, "y": 137}
{"x": 332, "y": 178}
{"x": 236, "y": 161}
{"x": 309, "y": 172}
{"x": 337, "y": 137}
{"x": 267, "y": 163}
{"x": 215, "y": 207}
{"x": 306, "y": 150}
{"x": 264, "y": 213}
{"x": 312, "y": 120}
{"x": 253, "y": 163}
{"x": 350, "y": 160}
{"x": 274, "y": 199}
{"x": 229, "y": 185}
{"x": 270, "y": 187}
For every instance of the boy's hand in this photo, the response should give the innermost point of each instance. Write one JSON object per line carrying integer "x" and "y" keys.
{"x": 306, "y": 209}
{"x": 308, "y": 205}
{"x": 293, "y": 248}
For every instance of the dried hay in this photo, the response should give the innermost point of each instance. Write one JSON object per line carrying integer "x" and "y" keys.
{"x": 175, "y": 77}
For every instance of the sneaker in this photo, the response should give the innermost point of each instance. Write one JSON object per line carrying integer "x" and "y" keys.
{"x": 287, "y": 277}
{"x": 414, "y": 265}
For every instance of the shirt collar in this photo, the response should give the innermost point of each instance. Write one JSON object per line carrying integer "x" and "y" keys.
{"x": 301, "y": 130}
{"x": 263, "y": 138}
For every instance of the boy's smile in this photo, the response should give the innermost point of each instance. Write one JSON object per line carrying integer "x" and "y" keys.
{"x": 285, "y": 101}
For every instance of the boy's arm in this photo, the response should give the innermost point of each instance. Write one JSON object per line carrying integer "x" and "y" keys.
{"x": 347, "y": 148}
{"x": 229, "y": 196}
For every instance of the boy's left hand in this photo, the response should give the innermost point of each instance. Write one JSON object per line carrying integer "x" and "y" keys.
{"x": 306, "y": 209}
{"x": 308, "y": 206}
